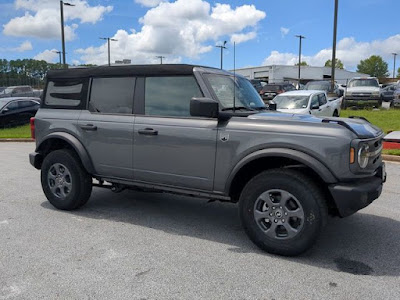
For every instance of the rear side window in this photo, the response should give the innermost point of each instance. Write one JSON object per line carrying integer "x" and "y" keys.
{"x": 64, "y": 93}
{"x": 170, "y": 96}
{"x": 112, "y": 95}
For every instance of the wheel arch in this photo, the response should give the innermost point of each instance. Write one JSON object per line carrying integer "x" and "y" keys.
{"x": 60, "y": 140}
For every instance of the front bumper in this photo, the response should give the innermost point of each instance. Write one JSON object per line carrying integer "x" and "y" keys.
{"x": 353, "y": 196}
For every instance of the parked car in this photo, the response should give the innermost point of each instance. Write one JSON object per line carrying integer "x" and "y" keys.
{"x": 396, "y": 96}
{"x": 387, "y": 92}
{"x": 325, "y": 86}
{"x": 258, "y": 84}
{"x": 17, "y": 110}
{"x": 203, "y": 132}
{"x": 269, "y": 91}
{"x": 363, "y": 92}
{"x": 308, "y": 102}
{"x": 20, "y": 91}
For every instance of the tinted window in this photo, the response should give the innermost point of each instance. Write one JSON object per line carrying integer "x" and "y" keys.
{"x": 12, "y": 106}
{"x": 25, "y": 103}
{"x": 170, "y": 96}
{"x": 322, "y": 99}
{"x": 314, "y": 101}
{"x": 64, "y": 93}
{"x": 112, "y": 95}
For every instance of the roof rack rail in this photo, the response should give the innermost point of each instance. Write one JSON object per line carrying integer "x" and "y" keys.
{"x": 358, "y": 117}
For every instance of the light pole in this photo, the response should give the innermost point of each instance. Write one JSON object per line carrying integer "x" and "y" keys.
{"x": 160, "y": 57}
{"x": 394, "y": 65}
{"x": 222, "y": 47}
{"x": 108, "y": 42}
{"x": 334, "y": 45}
{"x": 62, "y": 29}
{"x": 59, "y": 53}
{"x": 300, "y": 38}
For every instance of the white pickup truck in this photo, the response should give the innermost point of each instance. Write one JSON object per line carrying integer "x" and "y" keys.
{"x": 308, "y": 102}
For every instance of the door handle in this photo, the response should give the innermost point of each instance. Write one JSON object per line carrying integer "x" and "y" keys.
{"x": 148, "y": 131}
{"x": 88, "y": 127}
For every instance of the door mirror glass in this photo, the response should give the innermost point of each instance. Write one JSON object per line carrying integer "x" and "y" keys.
{"x": 204, "y": 107}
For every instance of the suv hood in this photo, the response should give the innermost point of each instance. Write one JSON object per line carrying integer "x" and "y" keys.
{"x": 364, "y": 89}
{"x": 362, "y": 128}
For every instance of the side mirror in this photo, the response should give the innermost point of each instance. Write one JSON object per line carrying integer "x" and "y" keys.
{"x": 5, "y": 110}
{"x": 315, "y": 107}
{"x": 204, "y": 107}
{"x": 340, "y": 93}
{"x": 271, "y": 105}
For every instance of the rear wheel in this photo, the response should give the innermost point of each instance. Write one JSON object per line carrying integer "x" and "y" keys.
{"x": 282, "y": 211}
{"x": 336, "y": 113}
{"x": 65, "y": 182}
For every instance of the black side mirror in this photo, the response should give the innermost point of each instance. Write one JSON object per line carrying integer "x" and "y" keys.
{"x": 5, "y": 110}
{"x": 271, "y": 105}
{"x": 315, "y": 107}
{"x": 204, "y": 107}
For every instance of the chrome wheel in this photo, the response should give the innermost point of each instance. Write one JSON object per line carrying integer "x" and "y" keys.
{"x": 59, "y": 180}
{"x": 279, "y": 214}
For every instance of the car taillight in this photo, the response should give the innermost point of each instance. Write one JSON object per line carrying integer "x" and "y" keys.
{"x": 32, "y": 122}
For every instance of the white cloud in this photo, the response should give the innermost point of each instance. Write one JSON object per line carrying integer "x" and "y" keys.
{"x": 243, "y": 37}
{"x": 149, "y": 3}
{"x": 25, "y": 46}
{"x": 181, "y": 28}
{"x": 284, "y": 31}
{"x": 48, "y": 55}
{"x": 348, "y": 50}
{"x": 42, "y": 18}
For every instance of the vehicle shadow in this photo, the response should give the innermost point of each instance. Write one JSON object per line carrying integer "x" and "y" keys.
{"x": 361, "y": 244}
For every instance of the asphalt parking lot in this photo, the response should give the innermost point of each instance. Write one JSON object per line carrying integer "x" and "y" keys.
{"x": 156, "y": 246}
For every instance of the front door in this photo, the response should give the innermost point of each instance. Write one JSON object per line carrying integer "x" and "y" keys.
{"x": 171, "y": 147}
{"x": 107, "y": 126}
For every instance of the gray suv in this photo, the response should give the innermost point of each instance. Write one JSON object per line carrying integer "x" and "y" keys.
{"x": 203, "y": 132}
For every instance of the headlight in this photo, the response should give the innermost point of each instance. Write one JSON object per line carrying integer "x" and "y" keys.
{"x": 363, "y": 156}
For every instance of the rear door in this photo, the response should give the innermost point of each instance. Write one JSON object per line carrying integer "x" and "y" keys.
{"x": 171, "y": 147}
{"x": 106, "y": 126}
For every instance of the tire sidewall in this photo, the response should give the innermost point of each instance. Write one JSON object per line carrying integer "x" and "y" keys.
{"x": 304, "y": 193}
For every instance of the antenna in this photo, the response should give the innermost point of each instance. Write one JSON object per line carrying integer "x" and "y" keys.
{"x": 234, "y": 76}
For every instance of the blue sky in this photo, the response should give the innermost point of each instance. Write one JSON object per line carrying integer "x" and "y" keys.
{"x": 186, "y": 31}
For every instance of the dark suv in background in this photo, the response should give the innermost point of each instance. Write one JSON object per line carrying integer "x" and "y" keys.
{"x": 269, "y": 91}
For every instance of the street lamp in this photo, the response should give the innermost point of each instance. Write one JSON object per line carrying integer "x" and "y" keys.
{"x": 59, "y": 53}
{"x": 62, "y": 28}
{"x": 300, "y": 38}
{"x": 394, "y": 64}
{"x": 108, "y": 42}
{"x": 160, "y": 57}
{"x": 334, "y": 45}
{"x": 222, "y": 47}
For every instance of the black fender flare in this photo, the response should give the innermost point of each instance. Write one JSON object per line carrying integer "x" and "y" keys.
{"x": 303, "y": 158}
{"x": 75, "y": 144}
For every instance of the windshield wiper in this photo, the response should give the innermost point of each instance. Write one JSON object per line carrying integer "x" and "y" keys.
{"x": 237, "y": 107}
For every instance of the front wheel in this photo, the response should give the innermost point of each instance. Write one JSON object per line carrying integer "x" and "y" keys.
{"x": 65, "y": 182}
{"x": 282, "y": 211}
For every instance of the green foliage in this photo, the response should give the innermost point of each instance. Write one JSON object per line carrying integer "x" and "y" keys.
{"x": 374, "y": 66}
{"x": 303, "y": 63}
{"x": 16, "y": 132}
{"x": 398, "y": 73}
{"x": 338, "y": 63}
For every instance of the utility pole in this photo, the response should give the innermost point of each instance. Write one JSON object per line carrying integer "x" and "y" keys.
{"x": 222, "y": 47}
{"x": 62, "y": 29}
{"x": 334, "y": 45}
{"x": 59, "y": 54}
{"x": 160, "y": 57}
{"x": 394, "y": 65}
{"x": 108, "y": 43}
{"x": 300, "y": 38}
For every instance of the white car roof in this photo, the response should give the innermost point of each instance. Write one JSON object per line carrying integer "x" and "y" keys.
{"x": 301, "y": 93}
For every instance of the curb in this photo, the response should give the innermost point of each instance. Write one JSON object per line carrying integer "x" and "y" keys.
{"x": 387, "y": 157}
{"x": 17, "y": 140}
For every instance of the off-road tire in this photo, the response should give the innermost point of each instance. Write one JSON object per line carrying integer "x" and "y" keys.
{"x": 307, "y": 194}
{"x": 80, "y": 181}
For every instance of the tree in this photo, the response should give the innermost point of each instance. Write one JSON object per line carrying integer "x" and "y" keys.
{"x": 374, "y": 66}
{"x": 338, "y": 63}
{"x": 398, "y": 73}
{"x": 303, "y": 63}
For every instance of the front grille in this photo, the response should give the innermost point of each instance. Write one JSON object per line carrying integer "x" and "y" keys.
{"x": 375, "y": 154}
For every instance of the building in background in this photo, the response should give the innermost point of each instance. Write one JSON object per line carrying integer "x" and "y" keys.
{"x": 282, "y": 73}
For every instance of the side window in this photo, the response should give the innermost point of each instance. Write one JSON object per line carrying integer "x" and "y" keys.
{"x": 112, "y": 95}
{"x": 64, "y": 93}
{"x": 25, "y": 104}
{"x": 12, "y": 106}
{"x": 170, "y": 96}
{"x": 322, "y": 99}
{"x": 314, "y": 101}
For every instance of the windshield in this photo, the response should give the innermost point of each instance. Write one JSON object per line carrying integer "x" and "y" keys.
{"x": 317, "y": 86}
{"x": 363, "y": 82}
{"x": 224, "y": 86}
{"x": 8, "y": 90}
{"x": 291, "y": 102}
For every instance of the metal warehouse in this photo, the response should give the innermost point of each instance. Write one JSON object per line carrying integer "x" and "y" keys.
{"x": 280, "y": 73}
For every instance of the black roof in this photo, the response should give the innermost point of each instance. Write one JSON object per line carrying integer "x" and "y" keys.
{"x": 126, "y": 70}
